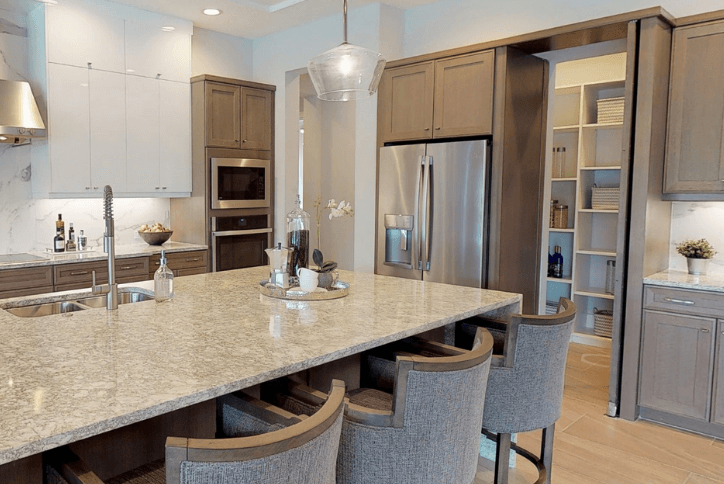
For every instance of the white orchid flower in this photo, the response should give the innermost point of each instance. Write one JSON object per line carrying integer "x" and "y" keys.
{"x": 331, "y": 203}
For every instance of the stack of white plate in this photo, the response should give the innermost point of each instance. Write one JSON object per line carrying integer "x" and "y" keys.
{"x": 605, "y": 198}
{"x": 610, "y": 110}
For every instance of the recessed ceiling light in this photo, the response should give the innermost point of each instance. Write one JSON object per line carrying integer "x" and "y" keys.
{"x": 212, "y": 11}
{"x": 130, "y": 70}
{"x": 3, "y": 138}
{"x": 49, "y": 2}
{"x": 168, "y": 28}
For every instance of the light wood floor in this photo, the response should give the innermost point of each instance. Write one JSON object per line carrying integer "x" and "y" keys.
{"x": 591, "y": 448}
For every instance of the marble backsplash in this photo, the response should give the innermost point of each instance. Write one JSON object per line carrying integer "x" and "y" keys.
{"x": 697, "y": 220}
{"x": 28, "y": 224}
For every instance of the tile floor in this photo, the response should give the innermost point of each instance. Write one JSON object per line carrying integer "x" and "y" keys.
{"x": 591, "y": 448}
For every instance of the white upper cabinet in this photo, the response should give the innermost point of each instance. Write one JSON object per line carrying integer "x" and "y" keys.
{"x": 142, "y": 128}
{"x": 175, "y": 117}
{"x": 79, "y": 34}
{"x": 69, "y": 129}
{"x": 107, "y": 130}
{"x": 157, "y": 53}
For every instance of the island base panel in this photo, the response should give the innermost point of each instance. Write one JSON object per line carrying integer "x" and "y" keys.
{"x": 127, "y": 448}
{"x": 24, "y": 471}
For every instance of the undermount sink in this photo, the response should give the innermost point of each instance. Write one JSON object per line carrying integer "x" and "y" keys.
{"x": 79, "y": 304}
{"x": 123, "y": 298}
{"x": 46, "y": 309}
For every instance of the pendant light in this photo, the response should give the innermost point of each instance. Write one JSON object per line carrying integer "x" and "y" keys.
{"x": 347, "y": 72}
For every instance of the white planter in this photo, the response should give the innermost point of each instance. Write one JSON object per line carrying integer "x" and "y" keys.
{"x": 697, "y": 267}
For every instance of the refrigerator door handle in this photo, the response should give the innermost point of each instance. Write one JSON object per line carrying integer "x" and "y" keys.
{"x": 426, "y": 224}
{"x": 417, "y": 251}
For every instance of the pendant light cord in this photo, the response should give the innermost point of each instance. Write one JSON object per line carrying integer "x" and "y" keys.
{"x": 345, "y": 22}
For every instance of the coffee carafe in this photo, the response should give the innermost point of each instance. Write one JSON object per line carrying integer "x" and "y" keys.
{"x": 280, "y": 259}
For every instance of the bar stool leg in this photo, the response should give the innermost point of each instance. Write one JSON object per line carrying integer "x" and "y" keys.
{"x": 502, "y": 459}
{"x": 546, "y": 450}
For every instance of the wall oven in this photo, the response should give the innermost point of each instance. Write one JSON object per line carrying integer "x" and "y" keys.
{"x": 240, "y": 183}
{"x": 239, "y": 241}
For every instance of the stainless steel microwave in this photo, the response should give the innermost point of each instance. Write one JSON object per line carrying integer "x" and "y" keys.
{"x": 240, "y": 183}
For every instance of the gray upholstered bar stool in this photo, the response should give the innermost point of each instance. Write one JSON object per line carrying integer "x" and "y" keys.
{"x": 525, "y": 387}
{"x": 277, "y": 447}
{"x": 426, "y": 430}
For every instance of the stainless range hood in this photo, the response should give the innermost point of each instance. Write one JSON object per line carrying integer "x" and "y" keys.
{"x": 19, "y": 116}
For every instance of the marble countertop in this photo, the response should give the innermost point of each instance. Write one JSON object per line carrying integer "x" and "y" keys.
{"x": 684, "y": 280}
{"x": 66, "y": 378}
{"x": 122, "y": 252}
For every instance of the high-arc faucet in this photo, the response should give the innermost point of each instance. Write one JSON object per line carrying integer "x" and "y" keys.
{"x": 109, "y": 247}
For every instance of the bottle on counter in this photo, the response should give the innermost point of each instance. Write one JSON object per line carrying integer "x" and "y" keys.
{"x": 82, "y": 242}
{"x": 298, "y": 224}
{"x": 163, "y": 281}
{"x": 558, "y": 263}
{"x": 59, "y": 239}
{"x": 70, "y": 244}
{"x": 550, "y": 262}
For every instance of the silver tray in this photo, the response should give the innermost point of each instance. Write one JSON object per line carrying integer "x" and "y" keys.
{"x": 338, "y": 289}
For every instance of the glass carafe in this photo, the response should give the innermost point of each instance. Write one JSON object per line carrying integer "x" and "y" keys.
{"x": 298, "y": 225}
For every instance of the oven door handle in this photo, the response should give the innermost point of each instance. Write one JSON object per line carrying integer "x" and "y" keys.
{"x": 227, "y": 233}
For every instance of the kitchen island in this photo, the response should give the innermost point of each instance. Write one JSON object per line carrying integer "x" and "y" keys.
{"x": 70, "y": 377}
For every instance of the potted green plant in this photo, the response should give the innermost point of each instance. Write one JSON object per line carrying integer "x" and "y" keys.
{"x": 697, "y": 253}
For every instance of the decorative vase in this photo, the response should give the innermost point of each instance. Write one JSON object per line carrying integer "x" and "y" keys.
{"x": 697, "y": 267}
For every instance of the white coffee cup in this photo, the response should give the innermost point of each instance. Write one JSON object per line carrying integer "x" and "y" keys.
{"x": 308, "y": 279}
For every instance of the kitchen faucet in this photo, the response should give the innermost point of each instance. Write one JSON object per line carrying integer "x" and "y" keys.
{"x": 109, "y": 247}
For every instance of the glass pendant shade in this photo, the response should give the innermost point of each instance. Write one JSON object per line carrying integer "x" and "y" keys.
{"x": 346, "y": 73}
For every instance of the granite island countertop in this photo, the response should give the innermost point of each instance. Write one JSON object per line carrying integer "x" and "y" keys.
{"x": 97, "y": 254}
{"x": 65, "y": 378}
{"x": 684, "y": 280}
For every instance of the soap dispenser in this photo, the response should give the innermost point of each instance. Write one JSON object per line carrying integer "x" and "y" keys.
{"x": 163, "y": 281}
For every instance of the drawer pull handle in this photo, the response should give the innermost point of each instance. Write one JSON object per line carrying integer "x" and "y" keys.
{"x": 704, "y": 330}
{"x": 125, "y": 268}
{"x": 679, "y": 301}
{"x": 79, "y": 273}
{"x": 193, "y": 260}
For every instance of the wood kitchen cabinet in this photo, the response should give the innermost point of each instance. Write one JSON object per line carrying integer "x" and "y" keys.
{"x": 25, "y": 281}
{"x": 405, "y": 102}
{"x": 717, "y": 405}
{"x": 694, "y": 150}
{"x": 238, "y": 117}
{"x": 439, "y": 99}
{"x": 181, "y": 263}
{"x": 676, "y": 363}
{"x": 682, "y": 360}
{"x": 79, "y": 275}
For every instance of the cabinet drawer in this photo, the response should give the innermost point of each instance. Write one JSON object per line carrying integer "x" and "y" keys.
{"x": 181, "y": 260}
{"x": 190, "y": 272}
{"x": 127, "y": 270}
{"x": 683, "y": 301}
{"x": 26, "y": 292}
{"x": 21, "y": 279}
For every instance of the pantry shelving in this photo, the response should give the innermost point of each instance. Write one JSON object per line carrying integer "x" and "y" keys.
{"x": 592, "y": 160}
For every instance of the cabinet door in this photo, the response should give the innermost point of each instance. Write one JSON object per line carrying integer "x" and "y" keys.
{"x": 255, "y": 119}
{"x": 152, "y": 52}
{"x": 82, "y": 34}
{"x": 142, "y": 130}
{"x": 676, "y": 363}
{"x": 406, "y": 96}
{"x": 223, "y": 115}
{"x": 694, "y": 154}
{"x": 717, "y": 404}
{"x": 175, "y": 129}
{"x": 464, "y": 95}
{"x": 107, "y": 130}
{"x": 69, "y": 129}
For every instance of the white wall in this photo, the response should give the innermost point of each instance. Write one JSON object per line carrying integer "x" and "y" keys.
{"x": 697, "y": 220}
{"x": 220, "y": 55}
{"x": 274, "y": 56}
{"x": 453, "y": 23}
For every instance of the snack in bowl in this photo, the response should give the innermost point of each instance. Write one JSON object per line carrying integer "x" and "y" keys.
{"x": 156, "y": 234}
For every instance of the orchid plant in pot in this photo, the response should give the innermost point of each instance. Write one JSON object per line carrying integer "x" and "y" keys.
{"x": 326, "y": 269}
{"x": 697, "y": 253}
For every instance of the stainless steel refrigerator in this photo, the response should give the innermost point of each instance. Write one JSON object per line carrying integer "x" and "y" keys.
{"x": 432, "y": 212}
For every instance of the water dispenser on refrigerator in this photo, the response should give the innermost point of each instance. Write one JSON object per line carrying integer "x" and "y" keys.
{"x": 398, "y": 240}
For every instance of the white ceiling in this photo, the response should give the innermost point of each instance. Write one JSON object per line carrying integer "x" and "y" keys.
{"x": 256, "y": 18}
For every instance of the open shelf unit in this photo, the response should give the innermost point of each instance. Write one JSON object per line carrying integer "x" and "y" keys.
{"x": 593, "y": 159}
